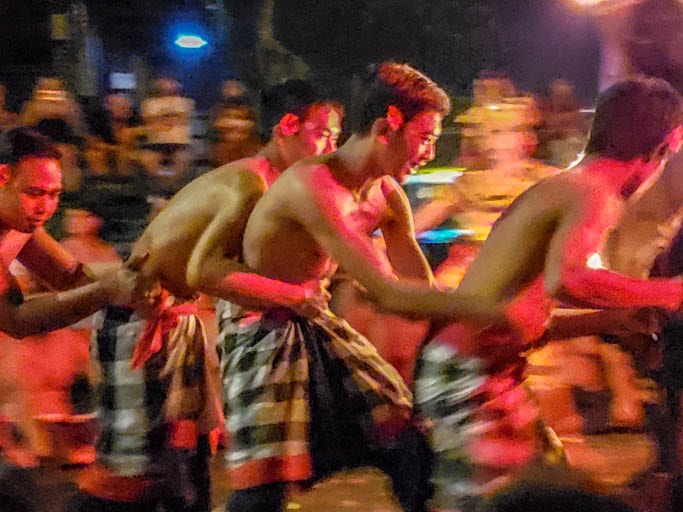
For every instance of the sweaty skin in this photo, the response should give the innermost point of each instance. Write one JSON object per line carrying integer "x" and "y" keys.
{"x": 194, "y": 243}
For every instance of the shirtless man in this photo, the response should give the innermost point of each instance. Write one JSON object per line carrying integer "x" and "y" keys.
{"x": 194, "y": 245}
{"x": 342, "y": 404}
{"x": 562, "y": 221}
{"x": 537, "y": 255}
{"x": 30, "y": 184}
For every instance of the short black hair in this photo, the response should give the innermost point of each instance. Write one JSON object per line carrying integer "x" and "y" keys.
{"x": 393, "y": 83}
{"x": 633, "y": 117}
{"x": 23, "y": 142}
{"x": 293, "y": 96}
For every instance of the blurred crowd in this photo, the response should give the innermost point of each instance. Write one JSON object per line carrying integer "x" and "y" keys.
{"x": 129, "y": 156}
{"x": 120, "y": 159}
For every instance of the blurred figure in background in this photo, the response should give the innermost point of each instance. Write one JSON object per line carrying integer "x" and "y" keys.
{"x": 8, "y": 119}
{"x": 52, "y": 100}
{"x": 82, "y": 238}
{"x": 495, "y": 99}
{"x": 167, "y": 117}
{"x": 114, "y": 132}
{"x": 562, "y": 133}
{"x": 54, "y": 112}
{"x": 477, "y": 198}
{"x": 233, "y": 132}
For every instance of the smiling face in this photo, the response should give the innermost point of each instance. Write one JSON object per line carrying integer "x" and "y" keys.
{"x": 415, "y": 143}
{"x": 29, "y": 194}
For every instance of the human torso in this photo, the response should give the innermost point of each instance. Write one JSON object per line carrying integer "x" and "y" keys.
{"x": 649, "y": 224}
{"x": 516, "y": 252}
{"x": 278, "y": 246}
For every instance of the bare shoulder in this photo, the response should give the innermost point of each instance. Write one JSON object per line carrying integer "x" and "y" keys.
{"x": 308, "y": 177}
{"x": 248, "y": 172}
{"x": 552, "y": 193}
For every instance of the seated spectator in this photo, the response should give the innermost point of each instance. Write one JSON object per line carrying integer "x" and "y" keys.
{"x": 562, "y": 133}
{"x": 51, "y": 100}
{"x": 69, "y": 145}
{"x": 82, "y": 239}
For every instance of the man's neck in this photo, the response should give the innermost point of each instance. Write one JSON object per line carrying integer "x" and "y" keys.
{"x": 355, "y": 163}
{"x": 271, "y": 152}
{"x": 4, "y": 232}
{"x": 611, "y": 173}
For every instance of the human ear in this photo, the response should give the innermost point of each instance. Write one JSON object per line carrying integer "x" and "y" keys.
{"x": 675, "y": 139}
{"x": 381, "y": 130}
{"x": 289, "y": 124}
{"x": 4, "y": 174}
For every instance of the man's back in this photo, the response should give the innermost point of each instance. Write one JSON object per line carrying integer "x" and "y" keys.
{"x": 220, "y": 200}
{"x": 551, "y": 229}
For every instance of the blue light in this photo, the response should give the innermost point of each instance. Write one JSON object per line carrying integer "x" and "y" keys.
{"x": 190, "y": 41}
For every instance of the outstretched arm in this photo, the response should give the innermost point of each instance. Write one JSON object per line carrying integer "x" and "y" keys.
{"x": 316, "y": 204}
{"x": 402, "y": 248}
{"x": 20, "y": 318}
{"x": 572, "y": 324}
{"x": 52, "y": 263}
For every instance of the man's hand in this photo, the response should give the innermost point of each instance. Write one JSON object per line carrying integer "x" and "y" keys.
{"x": 124, "y": 287}
{"x": 316, "y": 299}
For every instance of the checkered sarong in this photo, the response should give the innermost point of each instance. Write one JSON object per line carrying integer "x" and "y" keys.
{"x": 141, "y": 404}
{"x": 449, "y": 396}
{"x": 303, "y": 398}
{"x": 446, "y": 389}
{"x": 131, "y": 402}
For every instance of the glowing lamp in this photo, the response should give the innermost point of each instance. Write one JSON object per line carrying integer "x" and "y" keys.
{"x": 190, "y": 41}
{"x": 601, "y": 6}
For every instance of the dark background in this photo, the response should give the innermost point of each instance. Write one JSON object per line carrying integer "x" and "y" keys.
{"x": 451, "y": 40}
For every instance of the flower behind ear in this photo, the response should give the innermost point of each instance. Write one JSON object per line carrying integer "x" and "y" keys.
{"x": 289, "y": 124}
{"x": 395, "y": 117}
